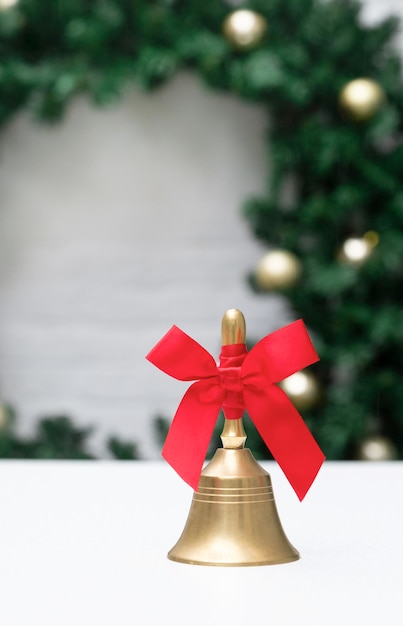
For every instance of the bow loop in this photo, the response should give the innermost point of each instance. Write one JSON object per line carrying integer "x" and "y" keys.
{"x": 180, "y": 356}
{"x": 280, "y": 354}
{"x": 242, "y": 381}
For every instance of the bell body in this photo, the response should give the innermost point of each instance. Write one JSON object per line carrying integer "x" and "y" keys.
{"x": 233, "y": 519}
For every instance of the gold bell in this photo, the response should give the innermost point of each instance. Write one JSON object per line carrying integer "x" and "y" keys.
{"x": 233, "y": 518}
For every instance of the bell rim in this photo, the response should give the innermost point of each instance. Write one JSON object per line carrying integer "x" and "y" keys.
{"x": 261, "y": 563}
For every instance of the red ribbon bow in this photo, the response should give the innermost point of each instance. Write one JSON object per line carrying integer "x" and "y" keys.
{"x": 243, "y": 380}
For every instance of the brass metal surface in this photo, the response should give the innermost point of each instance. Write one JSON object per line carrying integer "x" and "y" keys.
{"x": 233, "y": 327}
{"x": 233, "y": 518}
{"x": 233, "y": 434}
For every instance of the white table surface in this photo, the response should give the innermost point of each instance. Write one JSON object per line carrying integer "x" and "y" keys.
{"x": 85, "y": 543}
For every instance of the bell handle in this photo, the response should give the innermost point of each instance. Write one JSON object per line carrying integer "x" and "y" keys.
{"x": 233, "y": 331}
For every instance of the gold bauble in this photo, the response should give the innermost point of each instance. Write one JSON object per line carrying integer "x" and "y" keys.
{"x": 303, "y": 390}
{"x": 376, "y": 448}
{"x": 244, "y": 28}
{"x": 7, "y": 4}
{"x": 278, "y": 269}
{"x": 356, "y": 250}
{"x": 4, "y": 417}
{"x": 361, "y": 98}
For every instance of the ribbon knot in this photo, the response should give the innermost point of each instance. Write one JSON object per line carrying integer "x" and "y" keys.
{"x": 230, "y": 378}
{"x": 231, "y": 382}
{"x": 243, "y": 380}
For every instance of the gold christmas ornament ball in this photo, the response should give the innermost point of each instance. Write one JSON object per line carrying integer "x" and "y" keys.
{"x": 377, "y": 448}
{"x": 244, "y": 28}
{"x": 303, "y": 390}
{"x": 4, "y": 417}
{"x": 278, "y": 269}
{"x": 361, "y": 98}
{"x": 356, "y": 250}
{"x": 7, "y": 4}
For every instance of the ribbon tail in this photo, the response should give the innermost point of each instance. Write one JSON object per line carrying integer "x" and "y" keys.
{"x": 190, "y": 433}
{"x": 287, "y": 436}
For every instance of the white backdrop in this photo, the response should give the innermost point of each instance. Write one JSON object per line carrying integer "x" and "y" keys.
{"x": 114, "y": 226}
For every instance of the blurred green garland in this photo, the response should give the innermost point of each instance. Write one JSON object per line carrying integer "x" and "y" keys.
{"x": 347, "y": 175}
{"x": 56, "y": 437}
